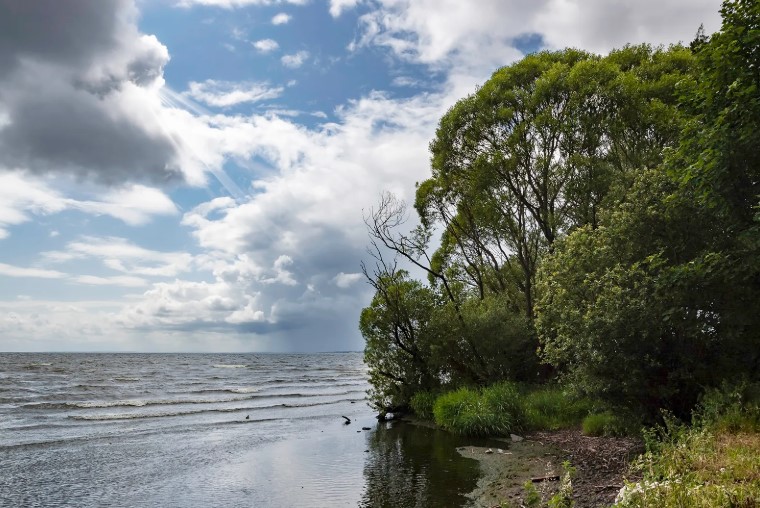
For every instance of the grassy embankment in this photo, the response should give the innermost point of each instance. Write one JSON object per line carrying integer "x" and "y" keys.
{"x": 506, "y": 408}
{"x": 712, "y": 462}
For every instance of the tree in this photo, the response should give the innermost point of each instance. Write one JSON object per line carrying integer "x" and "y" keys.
{"x": 661, "y": 301}
{"x": 397, "y": 347}
{"x": 540, "y": 149}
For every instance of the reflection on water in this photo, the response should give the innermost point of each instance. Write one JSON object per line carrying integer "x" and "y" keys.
{"x": 414, "y": 466}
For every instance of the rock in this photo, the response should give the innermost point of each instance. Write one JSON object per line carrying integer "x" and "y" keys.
{"x": 366, "y": 428}
{"x": 515, "y": 438}
{"x": 489, "y": 451}
{"x": 348, "y": 420}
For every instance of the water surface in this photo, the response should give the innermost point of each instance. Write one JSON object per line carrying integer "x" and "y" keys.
{"x": 212, "y": 430}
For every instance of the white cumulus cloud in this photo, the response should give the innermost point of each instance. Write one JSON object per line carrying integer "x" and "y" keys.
{"x": 295, "y": 60}
{"x": 281, "y": 18}
{"x": 265, "y": 45}
{"x": 222, "y": 94}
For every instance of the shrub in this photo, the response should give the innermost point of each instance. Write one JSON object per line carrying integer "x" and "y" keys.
{"x": 422, "y": 404}
{"x": 492, "y": 411}
{"x": 732, "y": 407}
{"x": 552, "y": 409}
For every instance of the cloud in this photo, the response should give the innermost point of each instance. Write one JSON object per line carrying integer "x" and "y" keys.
{"x": 338, "y": 6}
{"x": 265, "y": 45}
{"x": 222, "y": 94}
{"x": 121, "y": 255}
{"x": 133, "y": 204}
{"x": 447, "y": 34}
{"x": 23, "y": 196}
{"x": 38, "y": 273}
{"x": 283, "y": 261}
{"x": 295, "y": 60}
{"x": 231, "y": 4}
{"x": 117, "y": 280}
{"x": 346, "y": 280}
{"x": 81, "y": 95}
{"x": 406, "y": 81}
{"x": 281, "y": 18}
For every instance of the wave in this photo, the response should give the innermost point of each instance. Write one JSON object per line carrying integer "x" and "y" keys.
{"x": 279, "y": 386}
{"x": 244, "y": 389}
{"x": 173, "y": 402}
{"x": 33, "y": 366}
{"x": 165, "y": 414}
{"x": 230, "y": 366}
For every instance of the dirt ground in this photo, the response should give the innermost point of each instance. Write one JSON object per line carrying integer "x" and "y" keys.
{"x": 602, "y": 465}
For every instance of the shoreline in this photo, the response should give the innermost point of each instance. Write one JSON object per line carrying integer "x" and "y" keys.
{"x": 602, "y": 467}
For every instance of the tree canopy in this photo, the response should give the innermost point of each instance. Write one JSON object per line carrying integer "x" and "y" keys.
{"x": 599, "y": 222}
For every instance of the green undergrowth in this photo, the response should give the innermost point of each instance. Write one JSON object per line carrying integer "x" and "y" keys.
{"x": 606, "y": 424}
{"x": 492, "y": 411}
{"x": 507, "y": 407}
{"x": 422, "y": 404}
{"x": 714, "y": 462}
{"x": 503, "y": 408}
{"x": 554, "y": 409}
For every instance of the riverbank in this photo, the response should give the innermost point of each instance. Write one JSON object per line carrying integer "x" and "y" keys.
{"x": 601, "y": 467}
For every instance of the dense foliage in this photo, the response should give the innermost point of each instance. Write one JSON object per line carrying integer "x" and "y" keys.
{"x": 598, "y": 222}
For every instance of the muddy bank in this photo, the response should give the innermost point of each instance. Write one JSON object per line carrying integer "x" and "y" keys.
{"x": 602, "y": 465}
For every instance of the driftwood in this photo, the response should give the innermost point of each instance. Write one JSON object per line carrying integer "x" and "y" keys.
{"x": 551, "y": 478}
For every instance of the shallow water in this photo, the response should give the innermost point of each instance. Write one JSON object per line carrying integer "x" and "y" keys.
{"x": 212, "y": 430}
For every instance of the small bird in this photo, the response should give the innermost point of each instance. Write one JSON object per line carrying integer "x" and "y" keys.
{"x": 247, "y": 417}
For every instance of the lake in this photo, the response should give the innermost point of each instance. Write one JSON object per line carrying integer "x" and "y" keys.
{"x": 263, "y": 430}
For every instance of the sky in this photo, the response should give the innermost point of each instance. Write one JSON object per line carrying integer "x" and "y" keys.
{"x": 192, "y": 175}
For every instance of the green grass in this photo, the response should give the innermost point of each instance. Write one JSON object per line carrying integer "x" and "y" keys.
{"x": 604, "y": 424}
{"x": 422, "y": 404}
{"x": 715, "y": 463}
{"x": 701, "y": 469}
{"x": 553, "y": 409}
{"x": 492, "y": 411}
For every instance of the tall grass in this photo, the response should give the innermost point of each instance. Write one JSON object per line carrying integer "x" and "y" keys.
{"x": 422, "y": 404}
{"x": 604, "y": 424}
{"x": 553, "y": 409}
{"x": 492, "y": 411}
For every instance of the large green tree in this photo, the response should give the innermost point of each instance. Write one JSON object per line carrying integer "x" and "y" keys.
{"x": 540, "y": 149}
{"x": 663, "y": 300}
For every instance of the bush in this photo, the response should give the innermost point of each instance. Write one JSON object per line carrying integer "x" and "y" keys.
{"x": 422, "y": 404}
{"x": 552, "y": 409}
{"x": 732, "y": 407}
{"x": 492, "y": 411}
{"x": 604, "y": 424}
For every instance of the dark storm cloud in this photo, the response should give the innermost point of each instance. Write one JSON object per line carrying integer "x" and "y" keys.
{"x": 67, "y": 130}
{"x": 65, "y": 67}
{"x": 58, "y": 31}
